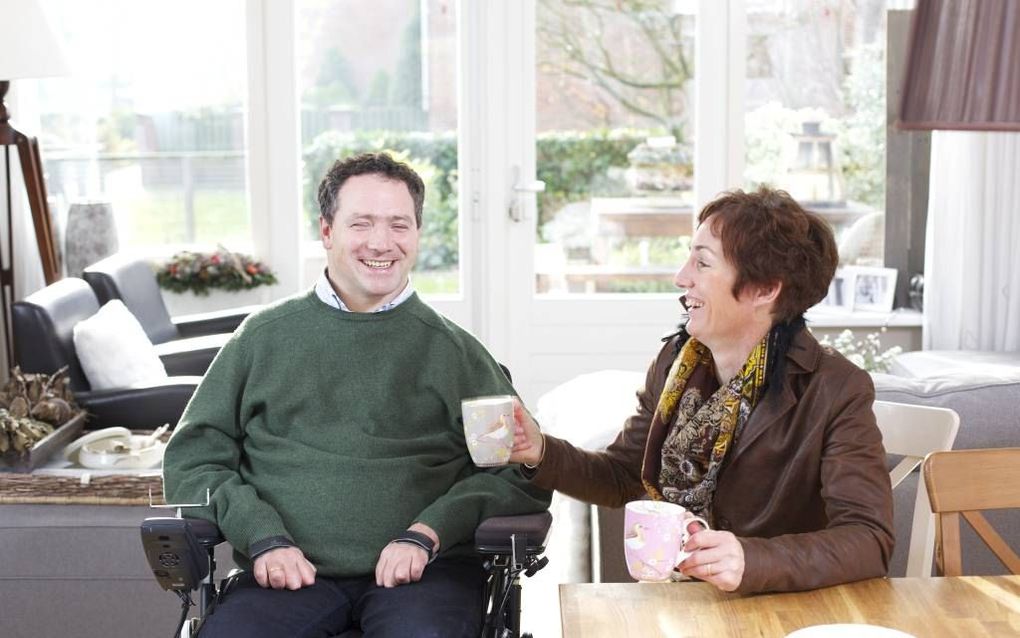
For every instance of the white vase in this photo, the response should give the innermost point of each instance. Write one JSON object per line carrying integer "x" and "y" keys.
{"x": 188, "y": 303}
{"x": 91, "y": 235}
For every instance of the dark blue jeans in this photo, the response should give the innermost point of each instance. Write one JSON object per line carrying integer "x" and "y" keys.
{"x": 446, "y": 602}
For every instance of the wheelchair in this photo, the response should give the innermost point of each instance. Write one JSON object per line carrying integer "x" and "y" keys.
{"x": 180, "y": 552}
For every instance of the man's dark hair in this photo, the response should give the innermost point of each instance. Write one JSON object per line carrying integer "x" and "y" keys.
{"x": 368, "y": 164}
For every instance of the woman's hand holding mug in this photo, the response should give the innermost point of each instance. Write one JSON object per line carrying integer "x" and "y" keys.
{"x": 716, "y": 557}
{"x": 529, "y": 444}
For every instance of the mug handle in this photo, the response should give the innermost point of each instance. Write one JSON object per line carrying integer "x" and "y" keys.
{"x": 686, "y": 534}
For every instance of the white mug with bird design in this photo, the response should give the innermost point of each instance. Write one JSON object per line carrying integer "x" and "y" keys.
{"x": 489, "y": 429}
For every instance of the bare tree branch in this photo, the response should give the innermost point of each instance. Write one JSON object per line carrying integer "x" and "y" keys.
{"x": 579, "y": 35}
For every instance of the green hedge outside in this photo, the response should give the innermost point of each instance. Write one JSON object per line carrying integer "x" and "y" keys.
{"x": 574, "y": 166}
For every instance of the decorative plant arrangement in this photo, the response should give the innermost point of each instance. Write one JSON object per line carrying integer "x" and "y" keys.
{"x": 659, "y": 165}
{"x": 865, "y": 353}
{"x": 31, "y": 405}
{"x": 223, "y": 269}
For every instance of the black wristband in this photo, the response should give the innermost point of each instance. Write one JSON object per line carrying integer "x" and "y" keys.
{"x": 412, "y": 537}
{"x": 273, "y": 542}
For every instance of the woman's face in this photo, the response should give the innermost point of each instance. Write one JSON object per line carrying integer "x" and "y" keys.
{"x": 708, "y": 277}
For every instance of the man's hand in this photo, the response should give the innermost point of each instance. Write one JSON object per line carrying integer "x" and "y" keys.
{"x": 284, "y": 568}
{"x": 402, "y": 563}
{"x": 717, "y": 558}
{"x": 529, "y": 444}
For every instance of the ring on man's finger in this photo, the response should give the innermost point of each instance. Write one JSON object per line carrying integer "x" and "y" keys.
{"x": 275, "y": 569}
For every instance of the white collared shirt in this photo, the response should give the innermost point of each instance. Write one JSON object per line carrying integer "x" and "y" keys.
{"x": 324, "y": 291}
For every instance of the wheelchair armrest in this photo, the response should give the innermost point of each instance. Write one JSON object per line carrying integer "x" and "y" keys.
{"x": 492, "y": 536}
{"x": 178, "y": 550}
{"x": 206, "y": 532}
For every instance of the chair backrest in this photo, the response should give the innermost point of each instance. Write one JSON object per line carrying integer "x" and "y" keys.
{"x": 43, "y": 326}
{"x": 131, "y": 280}
{"x": 914, "y": 431}
{"x": 963, "y": 482}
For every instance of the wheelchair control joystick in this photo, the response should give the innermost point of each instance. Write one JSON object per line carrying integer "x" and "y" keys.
{"x": 180, "y": 552}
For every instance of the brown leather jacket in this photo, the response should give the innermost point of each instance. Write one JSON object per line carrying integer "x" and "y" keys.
{"x": 805, "y": 488}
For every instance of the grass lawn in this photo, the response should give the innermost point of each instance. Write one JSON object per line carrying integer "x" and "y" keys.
{"x": 436, "y": 282}
{"x": 157, "y": 217}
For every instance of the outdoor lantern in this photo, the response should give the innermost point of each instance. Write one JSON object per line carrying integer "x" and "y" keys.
{"x": 814, "y": 176}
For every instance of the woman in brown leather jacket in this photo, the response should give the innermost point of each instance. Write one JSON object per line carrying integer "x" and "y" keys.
{"x": 745, "y": 419}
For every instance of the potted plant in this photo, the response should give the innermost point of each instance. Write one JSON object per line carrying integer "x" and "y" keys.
{"x": 205, "y": 281}
{"x": 660, "y": 166}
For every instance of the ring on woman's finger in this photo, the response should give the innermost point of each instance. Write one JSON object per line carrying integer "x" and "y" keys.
{"x": 710, "y": 570}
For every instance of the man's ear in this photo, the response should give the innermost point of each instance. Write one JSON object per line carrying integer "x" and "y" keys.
{"x": 326, "y": 232}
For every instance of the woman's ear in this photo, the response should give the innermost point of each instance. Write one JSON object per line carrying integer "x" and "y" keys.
{"x": 768, "y": 294}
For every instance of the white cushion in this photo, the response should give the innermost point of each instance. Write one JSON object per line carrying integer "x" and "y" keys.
{"x": 930, "y": 363}
{"x": 589, "y": 410}
{"x": 114, "y": 351}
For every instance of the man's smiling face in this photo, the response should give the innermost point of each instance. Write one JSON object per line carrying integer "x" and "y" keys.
{"x": 372, "y": 244}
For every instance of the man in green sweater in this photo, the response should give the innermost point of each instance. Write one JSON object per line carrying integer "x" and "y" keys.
{"x": 328, "y": 433}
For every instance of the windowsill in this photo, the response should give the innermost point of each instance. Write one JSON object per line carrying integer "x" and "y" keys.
{"x": 840, "y": 318}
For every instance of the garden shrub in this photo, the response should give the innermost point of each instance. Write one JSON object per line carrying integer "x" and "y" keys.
{"x": 574, "y": 165}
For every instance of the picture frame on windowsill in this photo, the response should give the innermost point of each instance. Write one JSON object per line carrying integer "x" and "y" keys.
{"x": 840, "y": 295}
{"x": 871, "y": 289}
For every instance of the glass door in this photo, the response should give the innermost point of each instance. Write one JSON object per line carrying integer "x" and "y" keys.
{"x": 614, "y": 145}
{"x": 613, "y": 124}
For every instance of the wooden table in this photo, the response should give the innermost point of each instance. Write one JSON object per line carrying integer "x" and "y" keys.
{"x": 643, "y": 216}
{"x": 970, "y": 606}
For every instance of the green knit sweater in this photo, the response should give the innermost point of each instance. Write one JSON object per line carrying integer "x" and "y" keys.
{"x": 338, "y": 430}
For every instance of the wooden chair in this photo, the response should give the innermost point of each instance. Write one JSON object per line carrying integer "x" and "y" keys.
{"x": 962, "y": 482}
{"x": 914, "y": 431}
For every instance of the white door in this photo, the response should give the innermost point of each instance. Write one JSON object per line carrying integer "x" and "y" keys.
{"x": 578, "y": 278}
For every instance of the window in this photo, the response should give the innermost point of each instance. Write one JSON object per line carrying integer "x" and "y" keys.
{"x": 815, "y": 122}
{"x": 152, "y": 120}
{"x": 382, "y": 75}
{"x": 615, "y": 145}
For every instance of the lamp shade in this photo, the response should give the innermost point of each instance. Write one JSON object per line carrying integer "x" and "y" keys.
{"x": 963, "y": 66}
{"x": 28, "y": 46}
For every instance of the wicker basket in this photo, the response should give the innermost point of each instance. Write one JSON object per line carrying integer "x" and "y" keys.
{"x": 65, "y": 490}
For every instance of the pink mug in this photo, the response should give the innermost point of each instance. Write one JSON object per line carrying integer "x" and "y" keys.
{"x": 653, "y": 539}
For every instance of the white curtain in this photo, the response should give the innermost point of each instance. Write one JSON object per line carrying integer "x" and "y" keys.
{"x": 972, "y": 252}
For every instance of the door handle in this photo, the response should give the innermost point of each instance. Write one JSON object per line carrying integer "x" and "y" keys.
{"x": 520, "y": 190}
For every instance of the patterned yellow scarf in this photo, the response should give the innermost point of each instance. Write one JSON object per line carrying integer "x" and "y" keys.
{"x": 705, "y": 421}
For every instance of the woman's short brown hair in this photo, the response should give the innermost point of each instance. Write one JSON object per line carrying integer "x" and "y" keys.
{"x": 769, "y": 237}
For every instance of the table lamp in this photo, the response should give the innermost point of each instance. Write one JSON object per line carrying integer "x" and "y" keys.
{"x": 28, "y": 49}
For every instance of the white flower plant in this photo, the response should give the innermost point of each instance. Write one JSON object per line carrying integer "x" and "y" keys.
{"x": 864, "y": 353}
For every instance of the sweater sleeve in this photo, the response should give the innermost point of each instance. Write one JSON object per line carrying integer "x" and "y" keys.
{"x": 857, "y": 543}
{"x": 484, "y": 492}
{"x": 205, "y": 453}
